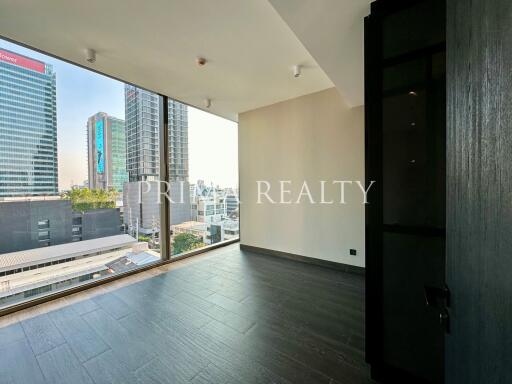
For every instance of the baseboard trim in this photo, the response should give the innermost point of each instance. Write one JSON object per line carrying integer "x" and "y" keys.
{"x": 305, "y": 259}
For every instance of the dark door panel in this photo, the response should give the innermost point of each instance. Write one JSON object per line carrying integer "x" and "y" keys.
{"x": 479, "y": 193}
{"x": 405, "y": 221}
{"x": 412, "y": 334}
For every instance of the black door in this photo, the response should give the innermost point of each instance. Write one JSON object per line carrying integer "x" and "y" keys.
{"x": 479, "y": 191}
{"x": 405, "y": 155}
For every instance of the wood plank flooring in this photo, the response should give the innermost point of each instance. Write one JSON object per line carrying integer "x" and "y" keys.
{"x": 224, "y": 317}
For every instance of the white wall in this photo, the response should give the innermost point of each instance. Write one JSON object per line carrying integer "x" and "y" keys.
{"x": 311, "y": 138}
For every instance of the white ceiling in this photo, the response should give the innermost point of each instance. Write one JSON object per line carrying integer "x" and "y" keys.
{"x": 250, "y": 49}
{"x": 332, "y": 31}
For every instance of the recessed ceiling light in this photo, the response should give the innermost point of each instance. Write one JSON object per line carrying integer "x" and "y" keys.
{"x": 413, "y": 93}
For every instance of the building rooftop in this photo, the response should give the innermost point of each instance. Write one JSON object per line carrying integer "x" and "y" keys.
{"x": 21, "y": 259}
{"x": 190, "y": 225}
{"x": 40, "y": 277}
{"x": 30, "y": 198}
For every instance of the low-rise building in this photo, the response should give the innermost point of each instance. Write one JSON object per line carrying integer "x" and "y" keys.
{"x": 232, "y": 205}
{"x": 192, "y": 227}
{"x": 32, "y": 272}
{"x": 222, "y": 231}
{"x": 96, "y": 223}
{"x": 209, "y": 209}
{"x": 43, "y": 222}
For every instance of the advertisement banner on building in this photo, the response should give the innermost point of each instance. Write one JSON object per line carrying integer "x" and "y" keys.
{"x": 100, "y": 147}
{"x": 22, "y": 61}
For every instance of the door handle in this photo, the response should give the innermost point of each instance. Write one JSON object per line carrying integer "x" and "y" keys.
{"x": 444, "y": 320}
{"x": 439, "y": 299}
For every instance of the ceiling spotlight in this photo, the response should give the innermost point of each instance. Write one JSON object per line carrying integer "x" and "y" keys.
{"x": 201, "y": 61}
{"x": 90, "y": 55}
{"x": 413, "y": 93}
{"x": 297, "y": 70}
{"x": 207, "y": 103}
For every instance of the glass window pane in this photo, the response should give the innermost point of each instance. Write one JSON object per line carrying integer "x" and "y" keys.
{"x": 75, "y": 149}
{"x": 203, "y": 156}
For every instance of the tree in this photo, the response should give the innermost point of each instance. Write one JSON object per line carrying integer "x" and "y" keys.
{"x": 184, "y": 242}
{"x": 144, "y": 238}
{"x": 85, "y": 199}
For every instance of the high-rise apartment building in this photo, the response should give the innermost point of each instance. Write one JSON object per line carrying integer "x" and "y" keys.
{"x": 143, "y": 160}
{"x": 142, "y": 136}
{"x": 28, "y": 127}
{"x": 178, "y": 141}
{"x": 106, "y": 139}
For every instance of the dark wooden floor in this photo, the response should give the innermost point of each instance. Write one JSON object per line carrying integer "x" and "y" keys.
{"x": 236, "y": 317}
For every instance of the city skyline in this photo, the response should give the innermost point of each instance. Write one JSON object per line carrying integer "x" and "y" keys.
{"x": 81, "y": 93}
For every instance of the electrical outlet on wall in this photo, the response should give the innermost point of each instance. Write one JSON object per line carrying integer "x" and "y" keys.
{"x": 353, "y": 252}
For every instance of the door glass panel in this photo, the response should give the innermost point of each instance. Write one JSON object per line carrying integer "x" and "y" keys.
{"x": 413, "y": 155}
{"x": 439, "y": 66}
{"x": 405, "y": 159}
{"x": 405, "y": 75}
{"x": 411, "y": 252}
{"x": 413, "y": 28}
{"x": 412, "y": 334}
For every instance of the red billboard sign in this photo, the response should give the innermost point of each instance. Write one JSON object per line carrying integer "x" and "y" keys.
{"x": 22, "y": 61}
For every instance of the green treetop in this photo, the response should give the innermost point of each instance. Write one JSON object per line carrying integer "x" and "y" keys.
{"x": 184, "y": 242}
{"x": 85, "y": 199}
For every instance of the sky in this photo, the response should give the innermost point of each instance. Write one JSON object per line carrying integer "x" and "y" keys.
{"x": 213, "y": 140}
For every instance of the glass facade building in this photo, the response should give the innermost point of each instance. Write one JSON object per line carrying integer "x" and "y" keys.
{"x": 142, "y": 116}
{"x": 106, "y": 139}
{"x": 119, "y": 172}
{"x": 28, "y": 127}
{"x": 178, "y": 141}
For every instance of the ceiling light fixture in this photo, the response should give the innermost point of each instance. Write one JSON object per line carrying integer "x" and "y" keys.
{"x": 90, "y": 55}
{"x": 297, "y": 70}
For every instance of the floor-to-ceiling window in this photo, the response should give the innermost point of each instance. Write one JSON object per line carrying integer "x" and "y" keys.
{"x": 79, "y": 165}
{"x": 203, "y": 158}
{"x": 87, "y": 166}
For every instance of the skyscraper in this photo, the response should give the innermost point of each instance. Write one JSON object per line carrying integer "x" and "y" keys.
{"x": 142, "y": 136}
{"x": 28, "y": 127}
{"x": 106, "y": 139}
{"x": 178, "y": 141}
{"x": 143, "y": 159}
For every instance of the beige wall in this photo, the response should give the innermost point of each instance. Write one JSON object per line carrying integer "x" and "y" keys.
{"x": 312, "y": 138}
